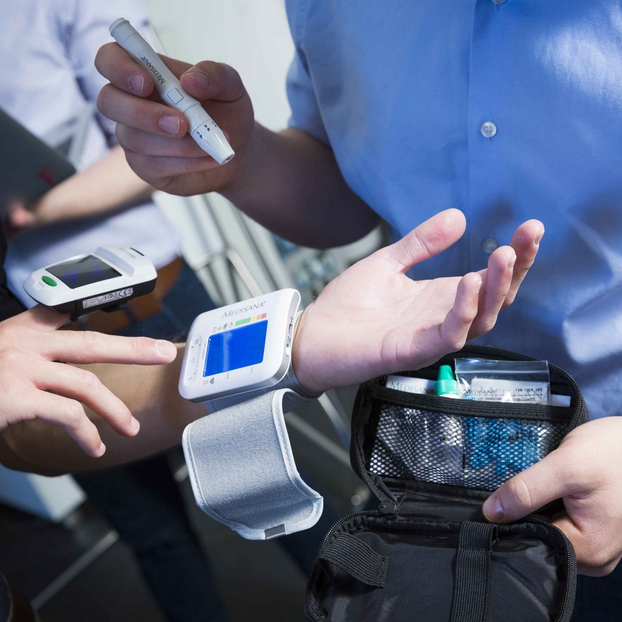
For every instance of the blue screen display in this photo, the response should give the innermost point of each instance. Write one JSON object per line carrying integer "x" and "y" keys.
{"x": 240, "y": 347}
{"x": 83, "y": 271}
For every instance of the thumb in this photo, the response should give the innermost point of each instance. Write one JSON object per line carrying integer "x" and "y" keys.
{"x": 427, "y": 240}
{"x": 527, "y": 492}
{"x": 211, "y": 80}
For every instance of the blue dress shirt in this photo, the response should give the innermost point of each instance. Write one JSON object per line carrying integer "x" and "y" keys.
{"x": 506, "y": 109}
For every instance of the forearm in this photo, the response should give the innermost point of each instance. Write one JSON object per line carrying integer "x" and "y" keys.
{"x": 291, "y": 184}
{"x": 151, "y": 395}
{"x": 108, "y": 185}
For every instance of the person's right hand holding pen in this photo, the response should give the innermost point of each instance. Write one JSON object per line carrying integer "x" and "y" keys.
{"x": 288, "y": 181}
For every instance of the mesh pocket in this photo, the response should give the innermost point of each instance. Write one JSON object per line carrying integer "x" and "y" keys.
{"x": 475, "y": 452}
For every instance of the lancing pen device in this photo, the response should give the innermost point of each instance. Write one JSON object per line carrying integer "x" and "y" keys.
{"x": 203, "y": 129}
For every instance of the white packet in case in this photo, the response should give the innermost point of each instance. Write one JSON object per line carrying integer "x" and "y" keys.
{"x": 504, "y": 381}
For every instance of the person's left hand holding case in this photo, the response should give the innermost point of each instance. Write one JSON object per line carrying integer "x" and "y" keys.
{"x": 35, "y": 382}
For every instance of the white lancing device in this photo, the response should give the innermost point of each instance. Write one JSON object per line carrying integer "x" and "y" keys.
{"x": 203, "y": 128}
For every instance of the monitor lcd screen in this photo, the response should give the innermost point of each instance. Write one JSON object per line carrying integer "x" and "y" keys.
{"x": 236, "y": 348}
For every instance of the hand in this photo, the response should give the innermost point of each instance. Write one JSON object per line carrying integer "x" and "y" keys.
{"x": 18, "y": 217}
{"x": 586, "y": 472}
{"x": 373, "y": 319}
{"x": 34, "y": 385}
{"x": 154, "y": 136}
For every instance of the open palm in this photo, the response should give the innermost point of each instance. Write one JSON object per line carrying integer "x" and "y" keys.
{"x": 373, "y": 319}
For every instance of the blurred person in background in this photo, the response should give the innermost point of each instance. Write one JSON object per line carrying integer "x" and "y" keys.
{"x": 49, "y": 84}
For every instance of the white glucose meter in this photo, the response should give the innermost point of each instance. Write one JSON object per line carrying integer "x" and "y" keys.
{"x": 239, "y": 348}
{"x": 105, "y": 279}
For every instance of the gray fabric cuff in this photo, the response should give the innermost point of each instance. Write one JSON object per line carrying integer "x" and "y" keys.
{"x": 242, "y": 469}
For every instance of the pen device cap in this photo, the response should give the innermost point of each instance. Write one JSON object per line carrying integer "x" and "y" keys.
{"x": 208, "y": 135}
{"x": 121, "y": 29}
{"x": 446, "y": 384}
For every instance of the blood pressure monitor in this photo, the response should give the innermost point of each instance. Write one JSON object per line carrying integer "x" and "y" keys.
{"x": 239, "y": 349}
{"x": 105, "y": 279}
{"x": 238, "y": 361}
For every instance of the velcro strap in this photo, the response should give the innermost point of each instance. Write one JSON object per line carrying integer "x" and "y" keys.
{"x": 470, "y": 598}
{"x": 358, "y": 559}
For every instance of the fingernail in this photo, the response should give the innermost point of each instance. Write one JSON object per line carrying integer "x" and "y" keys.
{"x": 478, "y": 287}
{"x": 493, "y": 510}
{"x": 165, "y": 348}
{"x": 134, "y": 425}
{"x": 537, "y": 242}
{"x": 511, "y": 263}
{"x": 169, "y": 124}
{"x": 101, "y": 451}
{"x": 136, "y": 83}
{"x": 200, "y": 77}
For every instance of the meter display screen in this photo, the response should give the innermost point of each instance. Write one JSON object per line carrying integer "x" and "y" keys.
{"x": 233, "y": 349}
{"x": 83, "y": 271}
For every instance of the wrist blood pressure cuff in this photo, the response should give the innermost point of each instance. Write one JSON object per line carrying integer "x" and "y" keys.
{"x": 426, "y": 553}
{"x": 242, "y": 470}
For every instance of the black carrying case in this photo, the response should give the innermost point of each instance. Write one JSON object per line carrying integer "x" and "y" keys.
{"x": 426, "y": 553}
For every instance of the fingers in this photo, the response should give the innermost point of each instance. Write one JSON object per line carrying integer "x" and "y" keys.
{"x": 157, "y": 169}
{"x": 451, "y": 335}
{"x": 117, "y": 66}
{"x": 205, "y": 81}
{"x": 91, "y": 347}
{"x": 39, "y": 317}
{"x": 149, "y": 144}
{"x": 84, "y": 386}
{"x": 70, "y": 415}
{"x": 525, "y": 242}
{"x": 457, "y": 324}
{"x": 210, "y": 80}
{"x": 19, "y": 217}
{"x": 142, "y": 114}
{"x": 427, "y": 240}
{"x": 80, "y": 347}
{"x": 550, "y": 479}
{"x": 493, "y": 295}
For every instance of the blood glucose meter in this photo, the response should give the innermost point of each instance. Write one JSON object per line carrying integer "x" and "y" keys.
{"x": 238, "y": 361}
{"x": 105, "y": 279}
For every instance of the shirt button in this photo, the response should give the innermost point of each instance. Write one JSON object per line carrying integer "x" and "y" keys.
{"x": 498, "y": 1}
{"x": 488, "y": 129}
{"x": 489, "y": 245}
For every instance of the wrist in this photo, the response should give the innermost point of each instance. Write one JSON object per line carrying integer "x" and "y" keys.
{"x": 300, "y": 358}
{"x": 245, "y": 174}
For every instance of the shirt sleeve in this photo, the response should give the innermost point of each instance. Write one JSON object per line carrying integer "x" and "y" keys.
{"x": 306, "y": 114}
{"x": 84, "y": 29}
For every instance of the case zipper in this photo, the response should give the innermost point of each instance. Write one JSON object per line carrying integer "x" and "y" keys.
{"x": 571, "y": 563}
{"x": 361, "y": 471}
{"x": 326, "y": 538}
{"x": 389, "y": 509}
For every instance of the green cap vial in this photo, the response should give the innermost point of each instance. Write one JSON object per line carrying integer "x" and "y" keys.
{"x": 446, "y": 384}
